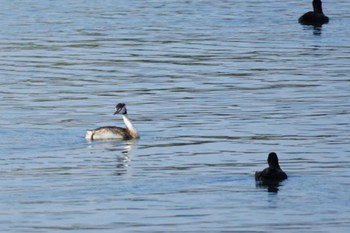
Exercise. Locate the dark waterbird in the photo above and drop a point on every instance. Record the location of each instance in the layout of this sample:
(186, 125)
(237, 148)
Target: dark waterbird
(315, 17)
(273, 173)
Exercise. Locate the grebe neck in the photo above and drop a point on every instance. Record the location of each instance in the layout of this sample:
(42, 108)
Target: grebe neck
(130, 127)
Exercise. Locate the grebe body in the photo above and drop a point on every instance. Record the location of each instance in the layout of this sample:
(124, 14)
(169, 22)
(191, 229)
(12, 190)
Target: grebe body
(114, 132)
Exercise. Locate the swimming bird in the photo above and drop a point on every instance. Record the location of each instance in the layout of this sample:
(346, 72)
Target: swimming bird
(114, 132)
(315, 17)
(273, 172)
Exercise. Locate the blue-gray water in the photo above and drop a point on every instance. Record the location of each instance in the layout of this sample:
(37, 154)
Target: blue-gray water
(212, 86)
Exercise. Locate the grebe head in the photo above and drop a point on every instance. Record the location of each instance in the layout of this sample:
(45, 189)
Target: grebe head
(273, 160)
(120, 108)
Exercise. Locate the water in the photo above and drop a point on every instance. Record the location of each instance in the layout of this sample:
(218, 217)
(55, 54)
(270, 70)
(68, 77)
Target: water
(212, 87)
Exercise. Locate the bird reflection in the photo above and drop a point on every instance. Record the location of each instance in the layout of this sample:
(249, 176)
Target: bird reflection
(316, 29)
(123, 159)
(270, 186)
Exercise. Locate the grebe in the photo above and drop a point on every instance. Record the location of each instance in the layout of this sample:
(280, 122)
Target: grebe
(113, 132)
(273, 172)
(315, 17)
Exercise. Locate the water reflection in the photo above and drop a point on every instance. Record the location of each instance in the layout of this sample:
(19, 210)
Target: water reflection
(317, 29)
(123, 159)
(120, 148)
(270, 186)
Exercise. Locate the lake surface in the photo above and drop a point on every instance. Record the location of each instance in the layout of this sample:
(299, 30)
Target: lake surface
(212, 86)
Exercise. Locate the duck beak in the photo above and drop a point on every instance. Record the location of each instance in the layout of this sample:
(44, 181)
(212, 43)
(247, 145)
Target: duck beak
(117, 111)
